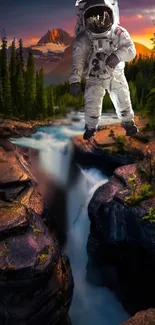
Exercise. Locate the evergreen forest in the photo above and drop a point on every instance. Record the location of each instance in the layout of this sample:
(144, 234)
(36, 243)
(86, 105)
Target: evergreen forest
(24, 95)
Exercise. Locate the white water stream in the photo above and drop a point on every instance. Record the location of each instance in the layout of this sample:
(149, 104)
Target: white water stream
(91, 305)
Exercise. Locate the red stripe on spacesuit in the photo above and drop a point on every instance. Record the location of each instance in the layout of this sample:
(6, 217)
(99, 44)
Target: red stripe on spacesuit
(118, 31)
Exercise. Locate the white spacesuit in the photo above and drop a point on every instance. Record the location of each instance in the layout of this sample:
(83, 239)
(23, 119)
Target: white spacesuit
(100, 50)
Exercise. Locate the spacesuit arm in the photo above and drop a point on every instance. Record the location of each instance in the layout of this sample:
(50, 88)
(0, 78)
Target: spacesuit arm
(126, 49)
(80, 53)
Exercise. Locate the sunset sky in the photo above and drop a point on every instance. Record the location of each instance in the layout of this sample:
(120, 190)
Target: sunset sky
(31, 19)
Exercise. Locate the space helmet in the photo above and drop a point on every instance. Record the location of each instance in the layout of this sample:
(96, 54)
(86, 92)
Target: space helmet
(98, 16)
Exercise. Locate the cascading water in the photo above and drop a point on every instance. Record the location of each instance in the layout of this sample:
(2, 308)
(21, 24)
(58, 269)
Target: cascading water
(91, 305)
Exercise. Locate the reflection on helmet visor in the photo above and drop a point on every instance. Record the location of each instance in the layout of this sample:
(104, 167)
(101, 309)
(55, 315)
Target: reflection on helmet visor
(98, 19)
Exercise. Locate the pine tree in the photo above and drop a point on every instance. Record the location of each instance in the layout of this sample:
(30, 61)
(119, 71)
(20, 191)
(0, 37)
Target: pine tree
(4, 61)
(21, 57)
(1, 99)
(150, 107)
(133, 94)
(7, 94)
(107, 104)
(20, 80)
(139, 83)
(13, 74)
(37, 104)
(20, 91)
(153, 39)
(81, 101)
(42, 104)
(30, 89)
(50, 101)
(0, 61)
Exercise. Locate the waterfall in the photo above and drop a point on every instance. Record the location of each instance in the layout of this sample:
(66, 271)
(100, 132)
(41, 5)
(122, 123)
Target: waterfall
(91, 305)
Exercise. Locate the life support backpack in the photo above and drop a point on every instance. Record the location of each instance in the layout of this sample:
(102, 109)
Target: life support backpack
(80, 4)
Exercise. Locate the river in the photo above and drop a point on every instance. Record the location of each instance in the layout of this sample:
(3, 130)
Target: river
(91, 305)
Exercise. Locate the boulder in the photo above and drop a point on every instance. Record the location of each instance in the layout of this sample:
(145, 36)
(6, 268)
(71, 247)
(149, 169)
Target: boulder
(142, 318)
(121, 243)
(15, 128)
(104, 156)
(36, 284)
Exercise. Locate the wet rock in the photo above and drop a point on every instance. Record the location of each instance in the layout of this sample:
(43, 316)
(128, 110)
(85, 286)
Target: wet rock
(15, 128)
(121, 244)
(12, 217)
(10, 169)
(19, 128)
(36, 284)
(103, 157)
(142, 318)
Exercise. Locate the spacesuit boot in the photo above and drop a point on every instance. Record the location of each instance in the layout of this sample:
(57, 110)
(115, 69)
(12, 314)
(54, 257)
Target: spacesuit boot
(89, 133)
(130, 128)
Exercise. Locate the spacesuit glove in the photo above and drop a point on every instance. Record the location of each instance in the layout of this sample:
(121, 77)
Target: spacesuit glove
(75, 89)
(112, 60)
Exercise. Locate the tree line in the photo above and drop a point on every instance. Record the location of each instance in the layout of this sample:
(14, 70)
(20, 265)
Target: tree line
(22, 89)
(23, 92)
(141, 77)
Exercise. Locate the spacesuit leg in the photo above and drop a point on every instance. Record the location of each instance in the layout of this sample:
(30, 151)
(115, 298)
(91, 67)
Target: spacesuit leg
(94, 93)
(120, 95)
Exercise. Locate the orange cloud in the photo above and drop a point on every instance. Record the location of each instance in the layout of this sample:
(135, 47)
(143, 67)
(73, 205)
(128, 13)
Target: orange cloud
(127, 19)
(140, 16)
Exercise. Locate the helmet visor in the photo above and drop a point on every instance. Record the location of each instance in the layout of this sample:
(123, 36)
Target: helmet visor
(98, 19)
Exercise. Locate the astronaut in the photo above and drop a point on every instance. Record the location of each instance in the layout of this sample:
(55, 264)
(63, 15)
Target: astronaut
(100, 49)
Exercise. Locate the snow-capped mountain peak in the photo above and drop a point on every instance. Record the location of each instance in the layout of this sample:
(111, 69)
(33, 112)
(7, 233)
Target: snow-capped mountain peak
(56, 36)
(56, 40)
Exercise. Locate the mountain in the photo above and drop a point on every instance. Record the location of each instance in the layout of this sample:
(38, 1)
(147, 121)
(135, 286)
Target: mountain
(56, 36)
(53, 53)
(142, 49)
(26, 50)
(48, 61)
(55, 40)
(62, 71)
